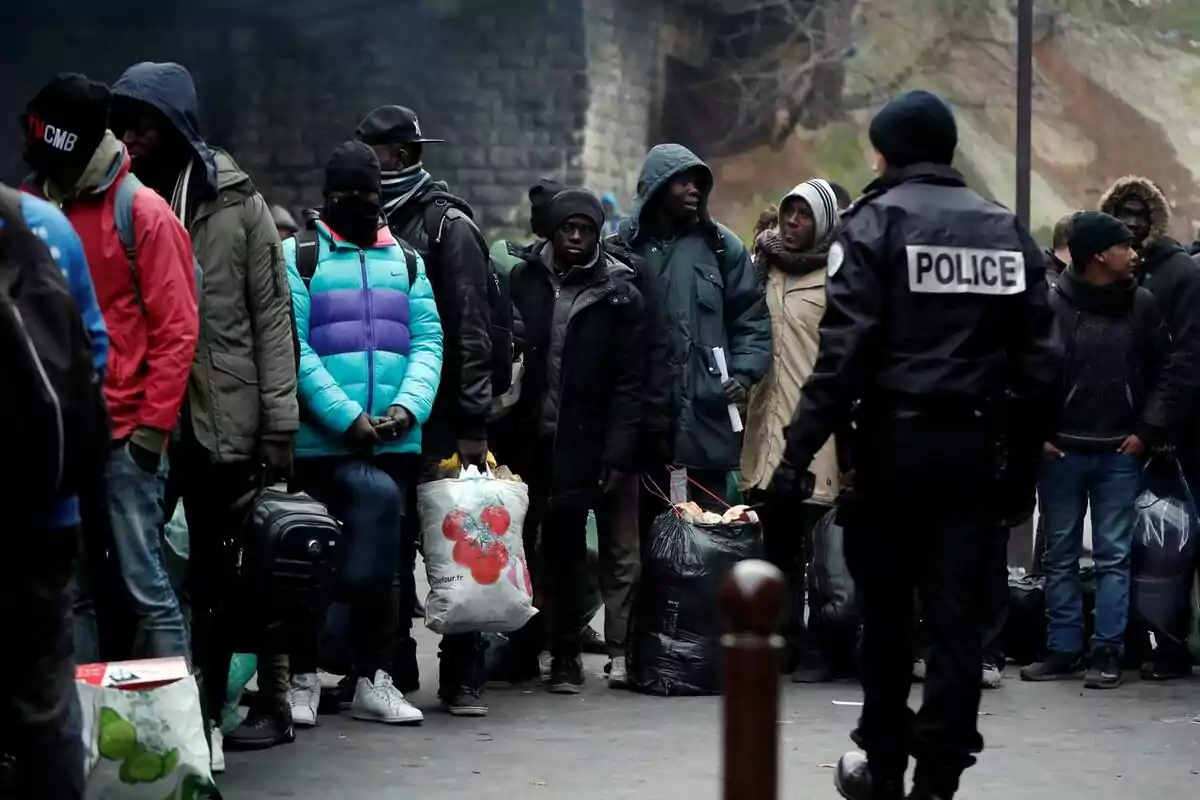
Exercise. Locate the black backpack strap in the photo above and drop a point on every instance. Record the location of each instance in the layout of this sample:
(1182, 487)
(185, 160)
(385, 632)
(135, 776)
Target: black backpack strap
(410, 261)
(308, 251)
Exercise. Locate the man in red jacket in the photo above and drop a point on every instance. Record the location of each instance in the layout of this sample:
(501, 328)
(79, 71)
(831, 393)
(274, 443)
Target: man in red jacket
(148, 298)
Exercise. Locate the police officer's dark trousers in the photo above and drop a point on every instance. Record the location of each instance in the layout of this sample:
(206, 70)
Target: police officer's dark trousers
(915, 527)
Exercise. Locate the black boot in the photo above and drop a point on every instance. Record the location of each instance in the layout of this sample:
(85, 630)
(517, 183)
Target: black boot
(854, 781)
(262, 729)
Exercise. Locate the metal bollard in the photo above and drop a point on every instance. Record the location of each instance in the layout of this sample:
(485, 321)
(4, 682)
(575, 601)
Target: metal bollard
(752, 599)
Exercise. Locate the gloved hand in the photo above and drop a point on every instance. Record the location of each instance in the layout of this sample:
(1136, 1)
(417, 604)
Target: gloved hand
(610, 478)
(362, 434)
(791, 483)
(275, 455)
(734, 391)
(472, 451)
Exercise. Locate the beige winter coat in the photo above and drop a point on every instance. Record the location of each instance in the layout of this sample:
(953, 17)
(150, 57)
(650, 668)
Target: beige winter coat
(797, 303)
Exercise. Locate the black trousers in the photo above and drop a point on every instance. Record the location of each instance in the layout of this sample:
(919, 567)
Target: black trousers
(917, 529)
(40, 722)
(787, 543)
(209, 492)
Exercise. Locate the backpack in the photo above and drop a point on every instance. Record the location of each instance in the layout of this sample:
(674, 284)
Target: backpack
(308, 254)
(51, 407)
(504, 351)
(123, 217)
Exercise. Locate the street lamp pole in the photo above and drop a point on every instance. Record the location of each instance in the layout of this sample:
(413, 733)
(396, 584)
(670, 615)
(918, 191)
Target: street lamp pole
(1024, 107)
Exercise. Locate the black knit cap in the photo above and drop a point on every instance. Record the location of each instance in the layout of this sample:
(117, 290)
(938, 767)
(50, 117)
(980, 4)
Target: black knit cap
(1093, 232)
(540, 196)
(915, 128)
(353, 167)
(575, 203)
(64, 124)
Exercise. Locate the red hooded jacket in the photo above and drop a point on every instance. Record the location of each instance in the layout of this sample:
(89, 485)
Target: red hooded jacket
(150, 356)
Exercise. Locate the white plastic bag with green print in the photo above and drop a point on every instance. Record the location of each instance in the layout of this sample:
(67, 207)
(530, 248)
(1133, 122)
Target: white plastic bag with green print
(145, 745)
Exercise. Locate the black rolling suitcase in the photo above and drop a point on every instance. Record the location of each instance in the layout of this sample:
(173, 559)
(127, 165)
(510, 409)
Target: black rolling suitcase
(286, 566)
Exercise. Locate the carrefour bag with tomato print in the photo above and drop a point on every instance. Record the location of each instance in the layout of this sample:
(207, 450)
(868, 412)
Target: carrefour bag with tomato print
(474, 555)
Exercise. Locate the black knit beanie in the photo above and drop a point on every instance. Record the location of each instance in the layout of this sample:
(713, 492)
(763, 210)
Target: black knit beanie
(575, 203)
(540, 196)
(1093, 232)
(915, 128)
(353, 167)
(64, 124)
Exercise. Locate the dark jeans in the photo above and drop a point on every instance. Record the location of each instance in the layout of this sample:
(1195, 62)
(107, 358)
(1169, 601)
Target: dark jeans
(209, 492)
(460, 655)
(368, 497)
(995, 598)
(40, 722)
(915, 530)
(787, 543)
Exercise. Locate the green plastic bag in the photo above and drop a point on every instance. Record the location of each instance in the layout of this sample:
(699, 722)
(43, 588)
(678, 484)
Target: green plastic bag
(241, 670)
(175, 554)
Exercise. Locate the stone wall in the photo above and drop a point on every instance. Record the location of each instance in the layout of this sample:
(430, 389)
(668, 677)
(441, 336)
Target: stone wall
(520, 89)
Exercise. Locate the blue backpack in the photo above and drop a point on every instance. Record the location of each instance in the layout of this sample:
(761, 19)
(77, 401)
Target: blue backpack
(123, 216)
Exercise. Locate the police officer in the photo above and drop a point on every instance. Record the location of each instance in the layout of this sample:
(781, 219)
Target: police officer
(936, 331)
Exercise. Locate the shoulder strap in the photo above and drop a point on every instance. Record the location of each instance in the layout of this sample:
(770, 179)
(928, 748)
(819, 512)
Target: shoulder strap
(410, 261)
(308, 250)
(123, 218)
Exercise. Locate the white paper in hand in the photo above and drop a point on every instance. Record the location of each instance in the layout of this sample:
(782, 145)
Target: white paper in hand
(735, 419)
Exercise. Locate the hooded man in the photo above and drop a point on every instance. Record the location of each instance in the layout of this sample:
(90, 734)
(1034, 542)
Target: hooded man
(581, 404)
(935, 315)
(147, 295)
(792, 255)
(1174, 279)
(285, 223)
(240, 413)
(439, 226)
(712, 298)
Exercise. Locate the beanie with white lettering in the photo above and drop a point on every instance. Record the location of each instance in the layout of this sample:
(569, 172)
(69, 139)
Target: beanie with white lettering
(820, 197)
(64, 124)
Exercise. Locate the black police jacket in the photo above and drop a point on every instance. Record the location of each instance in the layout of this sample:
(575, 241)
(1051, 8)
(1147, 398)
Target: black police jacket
(935, 295)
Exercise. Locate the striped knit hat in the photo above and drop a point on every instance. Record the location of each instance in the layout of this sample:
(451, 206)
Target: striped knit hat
(820, 197)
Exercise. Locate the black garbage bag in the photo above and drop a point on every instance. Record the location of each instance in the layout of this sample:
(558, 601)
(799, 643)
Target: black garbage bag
(832, 604)
(1164, 548)
(675, 629)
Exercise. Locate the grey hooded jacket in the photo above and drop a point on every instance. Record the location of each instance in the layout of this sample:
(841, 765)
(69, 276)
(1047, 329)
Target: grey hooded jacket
(713, 298)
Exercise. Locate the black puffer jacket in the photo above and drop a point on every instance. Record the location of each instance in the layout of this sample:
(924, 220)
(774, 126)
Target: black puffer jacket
(456, 261)
(1174, 280)
(1114, 378)
(600, 380)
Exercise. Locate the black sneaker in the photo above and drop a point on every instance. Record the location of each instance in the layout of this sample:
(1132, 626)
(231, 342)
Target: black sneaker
(1105, 671)
(262, 729)
(339, 698)
(1166, 669)
(813, 668)
(465, 701)
(590, 641)
(853, 780)
(566, 676)
(1055, 667)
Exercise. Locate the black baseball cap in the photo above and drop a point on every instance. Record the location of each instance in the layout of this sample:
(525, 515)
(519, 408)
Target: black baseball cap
(392, 125)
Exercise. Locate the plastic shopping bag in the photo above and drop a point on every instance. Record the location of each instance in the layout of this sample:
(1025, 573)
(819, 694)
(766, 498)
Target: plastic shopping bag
(675, 630)
(474, 555)
(1164, 546)
(143, 733)
(832, 601)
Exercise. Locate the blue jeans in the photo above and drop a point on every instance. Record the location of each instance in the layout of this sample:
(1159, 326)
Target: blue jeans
(135, 505)
(1110, 482)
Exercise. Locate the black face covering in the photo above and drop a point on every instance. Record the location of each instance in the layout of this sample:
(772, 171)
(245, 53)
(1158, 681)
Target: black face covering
(354, 218)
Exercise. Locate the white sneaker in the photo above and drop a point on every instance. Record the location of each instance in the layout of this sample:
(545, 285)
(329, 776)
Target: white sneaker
(993, 676)
(304, 696)
(217, 754)
(618, 676)
(381, 701)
